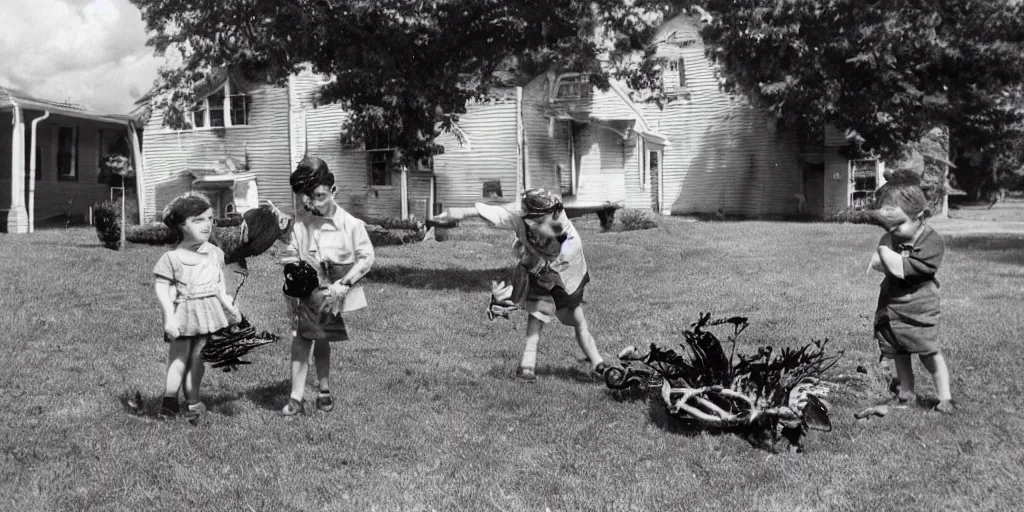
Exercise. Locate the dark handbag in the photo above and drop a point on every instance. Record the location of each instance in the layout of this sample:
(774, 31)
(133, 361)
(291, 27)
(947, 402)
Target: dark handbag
(300, 279)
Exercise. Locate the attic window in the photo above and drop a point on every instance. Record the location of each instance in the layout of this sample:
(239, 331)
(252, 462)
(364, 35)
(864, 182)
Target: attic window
(572, 87)
(221, 108)
(678, 66)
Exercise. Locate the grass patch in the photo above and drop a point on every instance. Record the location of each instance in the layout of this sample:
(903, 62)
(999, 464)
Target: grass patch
(429, 417)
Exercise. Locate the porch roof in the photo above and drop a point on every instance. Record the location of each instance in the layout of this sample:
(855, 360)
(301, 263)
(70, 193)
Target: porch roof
(9, 98)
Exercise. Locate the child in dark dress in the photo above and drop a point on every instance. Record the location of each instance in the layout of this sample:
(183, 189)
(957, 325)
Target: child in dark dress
(908, 313)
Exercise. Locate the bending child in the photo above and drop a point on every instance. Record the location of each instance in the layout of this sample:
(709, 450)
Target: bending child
(338, 252)
(190, 286)
(550, 253)
(908, 313)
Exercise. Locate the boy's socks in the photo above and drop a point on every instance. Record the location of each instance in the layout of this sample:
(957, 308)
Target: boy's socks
(324, 402)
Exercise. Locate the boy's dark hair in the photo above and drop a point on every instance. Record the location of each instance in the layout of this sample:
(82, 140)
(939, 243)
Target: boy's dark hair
(311, 173)
(904, 190)
(181, 208)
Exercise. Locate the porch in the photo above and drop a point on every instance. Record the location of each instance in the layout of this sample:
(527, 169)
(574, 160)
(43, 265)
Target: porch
(50, 158)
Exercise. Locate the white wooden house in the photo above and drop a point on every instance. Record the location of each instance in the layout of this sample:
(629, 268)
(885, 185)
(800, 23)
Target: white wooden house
(707, 152)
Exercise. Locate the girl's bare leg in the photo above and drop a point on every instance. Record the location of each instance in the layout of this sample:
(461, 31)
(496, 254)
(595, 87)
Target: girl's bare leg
(936, 365)
(533, 329)
(578, 321)
(300, 365)
(322, 359)
(195, 371)
(177, 361)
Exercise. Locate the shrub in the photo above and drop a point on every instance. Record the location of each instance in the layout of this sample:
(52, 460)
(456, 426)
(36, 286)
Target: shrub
(394, 223)
(107, 216)
(153, 234)
(637, 219)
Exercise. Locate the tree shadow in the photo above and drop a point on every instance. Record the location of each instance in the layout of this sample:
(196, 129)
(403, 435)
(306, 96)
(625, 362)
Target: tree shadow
(994, 248)
(468, 280)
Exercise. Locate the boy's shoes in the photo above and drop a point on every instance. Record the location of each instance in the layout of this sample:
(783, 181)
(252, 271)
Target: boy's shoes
(294, 407)
(324, 402)
(906, 398)
(168, 408)
(601, 368)
(945, 407)
(195, 411)
(526, 374)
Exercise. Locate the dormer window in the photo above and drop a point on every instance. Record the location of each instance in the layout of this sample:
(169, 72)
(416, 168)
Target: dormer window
(221, 108)
(572, 87)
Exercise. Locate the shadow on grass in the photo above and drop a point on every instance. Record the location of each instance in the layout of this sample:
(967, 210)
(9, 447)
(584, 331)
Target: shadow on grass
(271, 396)
(468, 280)
(995, 248)
(505, 371)
(134, 403)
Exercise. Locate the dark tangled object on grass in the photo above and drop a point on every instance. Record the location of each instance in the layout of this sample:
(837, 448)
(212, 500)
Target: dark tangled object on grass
(762, 397)
(226, 346)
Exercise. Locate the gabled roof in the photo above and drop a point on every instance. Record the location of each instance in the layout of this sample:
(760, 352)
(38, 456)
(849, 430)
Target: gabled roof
(9, 98)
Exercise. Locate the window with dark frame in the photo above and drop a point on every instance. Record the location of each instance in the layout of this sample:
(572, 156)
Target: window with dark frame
(216, 107)
(67, 153)
(572, 87)
(240, 104)
(380, 157)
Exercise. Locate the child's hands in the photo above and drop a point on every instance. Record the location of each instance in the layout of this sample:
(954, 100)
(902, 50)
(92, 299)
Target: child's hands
(234, 315)
(171, 328)
(337, 290)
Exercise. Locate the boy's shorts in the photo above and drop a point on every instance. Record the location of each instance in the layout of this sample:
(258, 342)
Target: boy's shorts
(312, 324)
(543, 303)
(900, 338)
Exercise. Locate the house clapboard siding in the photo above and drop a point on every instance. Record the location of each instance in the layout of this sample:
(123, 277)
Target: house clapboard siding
(546, 144)
(263, 143)
(725, 154)
(490, 153)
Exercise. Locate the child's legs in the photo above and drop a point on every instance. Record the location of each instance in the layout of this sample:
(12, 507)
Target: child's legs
(575, 318)
(177, 361)
(322, 359)
(534, 326)
(300, 365)
(196, 369)
(936, 365)
(904, 371)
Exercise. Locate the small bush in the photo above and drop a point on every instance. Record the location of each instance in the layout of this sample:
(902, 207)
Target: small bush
(394, 223)
(153, 234)
(637, 219)
(107, 216)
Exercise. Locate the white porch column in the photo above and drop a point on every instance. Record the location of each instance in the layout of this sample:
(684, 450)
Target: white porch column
(17, 217)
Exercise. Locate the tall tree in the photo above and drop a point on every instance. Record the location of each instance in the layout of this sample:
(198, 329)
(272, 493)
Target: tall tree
(888, 71)
(403, 67)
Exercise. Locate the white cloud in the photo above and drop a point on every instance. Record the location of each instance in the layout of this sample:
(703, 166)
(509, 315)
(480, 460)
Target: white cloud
(91, 52)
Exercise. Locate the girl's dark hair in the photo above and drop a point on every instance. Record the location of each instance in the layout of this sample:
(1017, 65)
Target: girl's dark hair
(903, 189)
(181, 208)
(311, 173)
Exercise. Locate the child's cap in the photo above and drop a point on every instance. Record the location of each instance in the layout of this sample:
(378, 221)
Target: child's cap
(184, 206)
(539, 202)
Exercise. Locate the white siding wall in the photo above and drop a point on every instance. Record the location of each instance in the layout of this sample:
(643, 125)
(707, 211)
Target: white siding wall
(169, 154)
(724, 153)
(491, 153)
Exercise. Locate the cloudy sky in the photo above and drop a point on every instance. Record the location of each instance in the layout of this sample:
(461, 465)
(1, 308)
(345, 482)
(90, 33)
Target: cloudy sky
(91, 52)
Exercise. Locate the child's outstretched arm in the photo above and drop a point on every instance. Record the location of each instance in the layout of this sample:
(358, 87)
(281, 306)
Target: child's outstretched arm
(496, 215)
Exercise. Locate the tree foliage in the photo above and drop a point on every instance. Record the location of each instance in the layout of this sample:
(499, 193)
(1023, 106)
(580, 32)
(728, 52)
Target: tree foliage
(402, 67)
(887, 71)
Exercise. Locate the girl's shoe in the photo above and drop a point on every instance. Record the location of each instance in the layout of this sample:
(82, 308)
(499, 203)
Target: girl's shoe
(294, 407)
(324, 402)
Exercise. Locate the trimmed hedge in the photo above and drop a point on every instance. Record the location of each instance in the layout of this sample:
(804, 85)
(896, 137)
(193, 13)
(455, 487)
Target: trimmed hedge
(633, 220)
